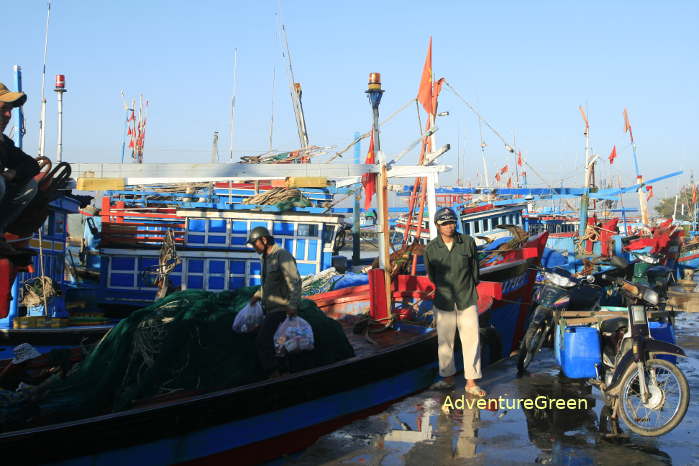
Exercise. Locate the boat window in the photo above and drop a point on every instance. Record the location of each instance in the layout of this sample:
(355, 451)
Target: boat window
(306, 229)
(494, 222)
(467, 228)
(328, 233)
(477, 226)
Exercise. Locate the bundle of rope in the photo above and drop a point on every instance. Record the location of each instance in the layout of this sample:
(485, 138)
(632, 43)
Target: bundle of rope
(37, 290)
(591, 234)
(291, 197)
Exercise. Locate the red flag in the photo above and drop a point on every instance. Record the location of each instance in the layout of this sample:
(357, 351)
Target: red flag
(497, 176)
(694, 194)
(649, 188)
(519, 159)
(627, 125)
(582, 112)
(436, 89)
(369, 179)
(509, 182)
(424, 93)
(503, 170)
(612, 155)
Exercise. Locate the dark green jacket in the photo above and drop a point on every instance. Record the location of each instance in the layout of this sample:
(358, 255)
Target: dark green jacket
(281, 283)
(454, 273)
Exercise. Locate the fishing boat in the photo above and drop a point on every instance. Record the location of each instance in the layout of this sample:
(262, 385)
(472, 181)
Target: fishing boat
(263, 420)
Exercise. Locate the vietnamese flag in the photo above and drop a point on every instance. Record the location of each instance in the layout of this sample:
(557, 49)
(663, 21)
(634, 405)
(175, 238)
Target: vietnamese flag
(519, 158)
(497, 176)
(694, 194)
(612, 155)
(424, 93)
(504, 169)
(369, 179)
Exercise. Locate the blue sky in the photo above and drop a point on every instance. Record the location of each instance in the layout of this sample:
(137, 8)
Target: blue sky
(527, 66)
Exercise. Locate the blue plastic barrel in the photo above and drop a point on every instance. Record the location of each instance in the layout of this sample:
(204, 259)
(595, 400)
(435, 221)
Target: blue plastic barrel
(663, 331)
(580, 352)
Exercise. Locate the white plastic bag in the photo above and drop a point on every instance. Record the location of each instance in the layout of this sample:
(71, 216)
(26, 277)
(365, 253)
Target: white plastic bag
(249, 318)
(293, 335)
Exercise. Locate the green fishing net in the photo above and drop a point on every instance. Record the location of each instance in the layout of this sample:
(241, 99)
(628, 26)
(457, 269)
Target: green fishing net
(182, 342)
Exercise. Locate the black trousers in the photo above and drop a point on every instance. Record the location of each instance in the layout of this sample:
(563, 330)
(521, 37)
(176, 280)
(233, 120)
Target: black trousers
(265, 341)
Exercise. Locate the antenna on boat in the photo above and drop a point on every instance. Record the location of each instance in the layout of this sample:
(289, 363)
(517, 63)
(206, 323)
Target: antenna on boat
(233, 97)
(294, 88)
(42, 120)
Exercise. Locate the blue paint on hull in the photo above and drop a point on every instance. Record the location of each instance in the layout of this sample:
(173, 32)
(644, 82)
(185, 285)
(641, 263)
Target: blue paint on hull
(229, 436)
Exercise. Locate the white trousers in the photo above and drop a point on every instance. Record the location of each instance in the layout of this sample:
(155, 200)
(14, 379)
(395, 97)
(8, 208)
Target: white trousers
(466, 320)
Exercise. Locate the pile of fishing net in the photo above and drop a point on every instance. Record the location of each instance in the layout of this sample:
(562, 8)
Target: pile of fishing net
(182, 342)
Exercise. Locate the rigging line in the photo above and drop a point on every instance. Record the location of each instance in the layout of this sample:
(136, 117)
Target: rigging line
(366, 135)
(480, 118)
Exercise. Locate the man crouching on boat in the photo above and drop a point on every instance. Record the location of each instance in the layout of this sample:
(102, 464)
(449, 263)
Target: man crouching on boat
(280, 294)
(17, 170)
(452, 265)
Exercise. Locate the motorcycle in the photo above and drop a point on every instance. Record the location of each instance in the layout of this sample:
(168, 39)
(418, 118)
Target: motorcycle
(638, 380)
(560, 291)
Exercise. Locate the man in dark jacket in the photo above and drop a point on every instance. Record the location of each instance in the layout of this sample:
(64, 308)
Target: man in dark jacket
(17, 169)
(280, 293)
(452, 265)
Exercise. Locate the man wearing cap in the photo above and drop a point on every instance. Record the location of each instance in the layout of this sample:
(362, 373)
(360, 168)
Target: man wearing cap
(17, 169)
(451, 260)
(280, 293)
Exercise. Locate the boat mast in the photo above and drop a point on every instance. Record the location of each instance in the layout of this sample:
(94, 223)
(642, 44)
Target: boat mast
(485, 165)
(295, 91)
(586, 195)
(42, 120)
(642, 201)
(235, 91)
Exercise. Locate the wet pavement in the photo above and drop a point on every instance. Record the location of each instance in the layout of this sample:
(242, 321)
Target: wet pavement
(417, 431)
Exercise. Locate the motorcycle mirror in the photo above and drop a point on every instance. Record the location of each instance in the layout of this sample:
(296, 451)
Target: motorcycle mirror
(590, 279)
(619, 262)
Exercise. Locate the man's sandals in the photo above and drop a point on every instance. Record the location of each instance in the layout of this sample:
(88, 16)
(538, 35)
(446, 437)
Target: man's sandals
(475, 390)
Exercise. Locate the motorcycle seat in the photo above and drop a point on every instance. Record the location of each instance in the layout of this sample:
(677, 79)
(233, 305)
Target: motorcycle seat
(613, 324)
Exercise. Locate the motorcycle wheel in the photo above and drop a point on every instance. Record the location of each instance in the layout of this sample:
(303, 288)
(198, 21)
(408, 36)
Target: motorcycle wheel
(531, 344)
(667, 405)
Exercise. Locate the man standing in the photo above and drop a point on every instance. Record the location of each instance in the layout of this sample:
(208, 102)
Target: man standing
(17, 169)
(452, 265)
(280, 293)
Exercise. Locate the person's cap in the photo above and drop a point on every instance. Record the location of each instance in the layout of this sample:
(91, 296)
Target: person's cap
(257, 233)
(24, 352)
(17, 99)
(444, 215)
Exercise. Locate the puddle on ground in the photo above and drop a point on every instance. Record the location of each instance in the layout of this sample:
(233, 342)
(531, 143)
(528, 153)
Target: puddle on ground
(417, 431)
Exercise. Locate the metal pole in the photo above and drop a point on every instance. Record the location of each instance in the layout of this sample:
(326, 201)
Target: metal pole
(60, 89)
(356, 231)
(20, 113)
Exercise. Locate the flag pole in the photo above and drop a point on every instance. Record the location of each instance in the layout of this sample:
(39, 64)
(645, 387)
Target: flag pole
(642, 201)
